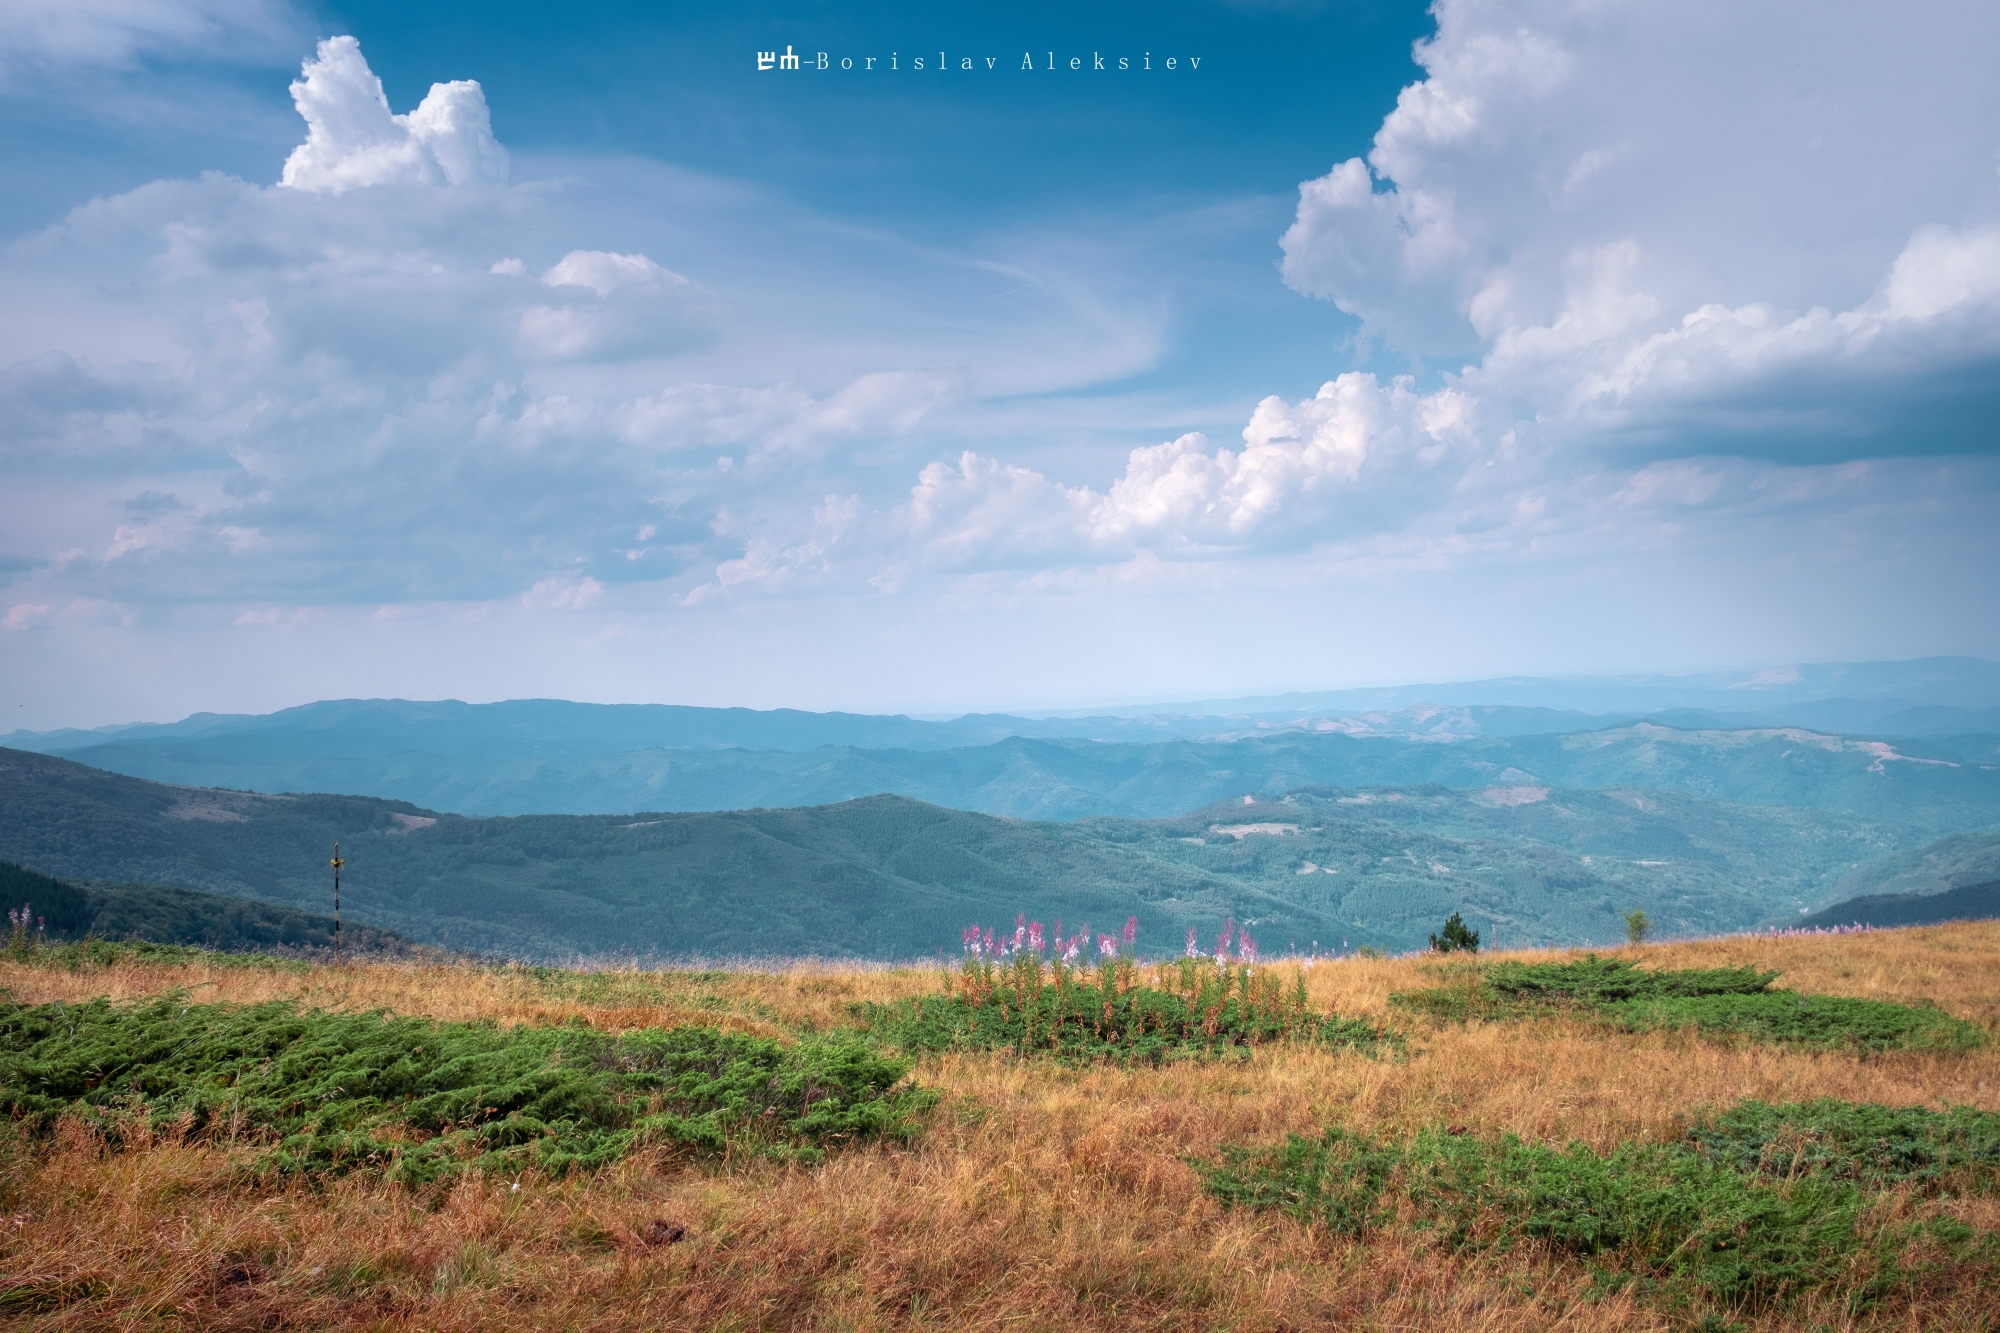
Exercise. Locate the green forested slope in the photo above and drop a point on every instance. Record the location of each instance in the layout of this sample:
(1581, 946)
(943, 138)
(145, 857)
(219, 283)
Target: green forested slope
(1968, 902)
(884, 876)
(60, 910)
(1948, 863)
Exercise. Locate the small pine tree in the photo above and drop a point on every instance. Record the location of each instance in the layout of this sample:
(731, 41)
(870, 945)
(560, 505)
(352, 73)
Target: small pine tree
(1637, 927)
(1455, 936)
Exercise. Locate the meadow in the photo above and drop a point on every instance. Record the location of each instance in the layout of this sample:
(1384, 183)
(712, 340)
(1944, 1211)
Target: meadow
(1033, 1191)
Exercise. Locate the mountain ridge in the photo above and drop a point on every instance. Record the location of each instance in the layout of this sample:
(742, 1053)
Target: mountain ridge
(1065, 778)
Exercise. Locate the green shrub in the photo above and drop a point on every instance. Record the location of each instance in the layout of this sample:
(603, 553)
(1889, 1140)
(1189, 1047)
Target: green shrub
(1789, 1019)
(1951, 1151)
(1595, 980)
(1336, 1180)
(1705, 1221)
(1200, 1010)
(419, 1098)
(1721, 1003)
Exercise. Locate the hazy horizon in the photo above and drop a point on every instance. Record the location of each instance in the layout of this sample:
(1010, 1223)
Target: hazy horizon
(1749, 687)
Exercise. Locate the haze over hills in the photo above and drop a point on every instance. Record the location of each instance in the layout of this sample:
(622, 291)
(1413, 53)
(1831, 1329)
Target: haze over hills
(1925, 696)
(1933, 696)
(886, 876)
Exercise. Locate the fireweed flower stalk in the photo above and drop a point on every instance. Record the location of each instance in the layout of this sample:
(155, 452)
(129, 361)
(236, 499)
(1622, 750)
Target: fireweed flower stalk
(21, 918)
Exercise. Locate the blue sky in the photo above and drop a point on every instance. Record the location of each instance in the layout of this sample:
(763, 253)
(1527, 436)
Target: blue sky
(1385, 343)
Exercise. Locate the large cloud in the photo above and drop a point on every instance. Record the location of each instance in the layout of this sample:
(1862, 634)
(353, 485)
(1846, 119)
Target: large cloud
(353, 140)
(1687, 227)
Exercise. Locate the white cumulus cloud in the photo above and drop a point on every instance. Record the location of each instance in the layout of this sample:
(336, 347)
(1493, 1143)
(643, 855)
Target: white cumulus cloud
(354, 141)
(1347, 460)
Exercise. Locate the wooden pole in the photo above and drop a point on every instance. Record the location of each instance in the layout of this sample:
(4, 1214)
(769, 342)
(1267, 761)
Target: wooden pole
(337, 864)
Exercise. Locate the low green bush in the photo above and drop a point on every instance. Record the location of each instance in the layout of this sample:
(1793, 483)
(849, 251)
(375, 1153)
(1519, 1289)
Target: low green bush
(1725, 1003)
(1955, 1151)
(1199, 1011)
(1707, 1221)
(418, 1098)
(1595, 980)
(1789, 1019)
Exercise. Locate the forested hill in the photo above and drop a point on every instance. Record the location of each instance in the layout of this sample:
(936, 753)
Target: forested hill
(888, 877)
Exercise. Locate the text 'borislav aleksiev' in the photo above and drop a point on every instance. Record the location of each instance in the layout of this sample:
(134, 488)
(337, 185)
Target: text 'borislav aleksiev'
(1048, 62)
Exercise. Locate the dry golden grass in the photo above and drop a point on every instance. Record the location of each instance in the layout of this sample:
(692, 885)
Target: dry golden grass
(1040, 1197)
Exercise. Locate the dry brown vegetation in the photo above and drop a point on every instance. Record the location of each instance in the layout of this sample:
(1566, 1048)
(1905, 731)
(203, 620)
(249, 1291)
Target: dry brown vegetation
(1039, 1197)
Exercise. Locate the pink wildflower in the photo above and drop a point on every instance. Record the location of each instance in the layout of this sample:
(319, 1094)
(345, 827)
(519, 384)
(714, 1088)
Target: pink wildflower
(1246, 948)
(1193, 950)
(1107, 946)
(1035, 940)
(1131, 931)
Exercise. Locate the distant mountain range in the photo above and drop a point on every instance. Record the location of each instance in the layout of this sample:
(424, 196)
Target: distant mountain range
(1733, 737)
(889, 877)
(1935, 786)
